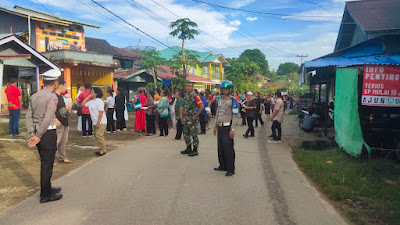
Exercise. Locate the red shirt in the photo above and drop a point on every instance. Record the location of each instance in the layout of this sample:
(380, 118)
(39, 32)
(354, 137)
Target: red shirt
(13, 94)
(82, 96)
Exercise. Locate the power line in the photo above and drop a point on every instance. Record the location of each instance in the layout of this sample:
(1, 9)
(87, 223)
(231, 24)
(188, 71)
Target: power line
(138, 29)
(115, 21)
(246, 32)
(181, 18)
(259, 12)
(319, 6)
(198, 28)
(148, 35)
(44, 7)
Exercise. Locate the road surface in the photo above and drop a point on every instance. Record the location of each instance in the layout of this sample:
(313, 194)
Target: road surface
(149, 182)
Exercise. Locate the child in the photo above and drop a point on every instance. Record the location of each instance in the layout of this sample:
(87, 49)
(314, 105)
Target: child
(110, 102)
(96, 108)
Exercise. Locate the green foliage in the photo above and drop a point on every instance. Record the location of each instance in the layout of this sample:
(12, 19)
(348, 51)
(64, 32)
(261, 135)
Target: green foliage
(182, 29)
(150, 86)
(242, 73)
(255, 55)
(287, 68)
(366, 190)
(152, 61)
(177, 66)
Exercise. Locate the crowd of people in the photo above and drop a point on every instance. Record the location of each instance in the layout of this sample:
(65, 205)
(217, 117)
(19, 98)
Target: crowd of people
(47, 119)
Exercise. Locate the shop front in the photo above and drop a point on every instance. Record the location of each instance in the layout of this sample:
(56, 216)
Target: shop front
(18, 60)
(80, 68)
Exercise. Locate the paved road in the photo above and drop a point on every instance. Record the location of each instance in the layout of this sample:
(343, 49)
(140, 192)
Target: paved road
(150, 182)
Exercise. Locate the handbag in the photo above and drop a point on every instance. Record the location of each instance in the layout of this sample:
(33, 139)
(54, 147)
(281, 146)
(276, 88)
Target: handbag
(79, 112)
(157, 113)
(138, 105)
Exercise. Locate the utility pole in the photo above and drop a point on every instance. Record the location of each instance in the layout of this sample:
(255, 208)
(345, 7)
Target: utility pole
(302, 58)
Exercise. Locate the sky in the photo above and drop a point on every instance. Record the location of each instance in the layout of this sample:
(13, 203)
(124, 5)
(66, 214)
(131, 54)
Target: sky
(297, 27)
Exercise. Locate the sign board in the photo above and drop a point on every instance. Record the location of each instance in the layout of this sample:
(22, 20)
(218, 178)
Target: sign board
(62, 41)
(381, 86)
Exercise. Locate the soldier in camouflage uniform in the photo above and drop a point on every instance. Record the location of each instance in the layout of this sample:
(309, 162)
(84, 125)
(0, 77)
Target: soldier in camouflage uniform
(192, 107)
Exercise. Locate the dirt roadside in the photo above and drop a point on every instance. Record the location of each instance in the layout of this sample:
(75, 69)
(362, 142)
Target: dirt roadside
(20, 165)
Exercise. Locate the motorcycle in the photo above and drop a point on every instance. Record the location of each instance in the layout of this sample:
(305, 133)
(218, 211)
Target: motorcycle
(314, 117)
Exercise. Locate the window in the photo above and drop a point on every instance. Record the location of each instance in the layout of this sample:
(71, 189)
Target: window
(194, 70)
(206, 70)
(217, 74)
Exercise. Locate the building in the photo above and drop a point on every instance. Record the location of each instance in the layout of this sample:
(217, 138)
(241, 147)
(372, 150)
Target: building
(19, 60)
(211, 66)
(200, 83)
(362, 78)
(126, 74)
(365, 20)
(63, 41)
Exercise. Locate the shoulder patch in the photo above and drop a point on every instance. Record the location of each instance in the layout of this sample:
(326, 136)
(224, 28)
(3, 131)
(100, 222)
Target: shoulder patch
(56, 101)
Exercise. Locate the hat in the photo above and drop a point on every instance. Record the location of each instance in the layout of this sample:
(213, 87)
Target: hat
(52, 74)
(250, 93)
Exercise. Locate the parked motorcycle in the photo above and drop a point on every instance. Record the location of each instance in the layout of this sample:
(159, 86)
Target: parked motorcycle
(314, 116)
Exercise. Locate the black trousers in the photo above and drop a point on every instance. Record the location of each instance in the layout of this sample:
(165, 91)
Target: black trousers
(47, 148)
(163, 125)
(226, 153)
(179, 130)
(276, 126)
(250, 130)
(203, 123)
(243, 115)
(120, 118)
(110, 120)
(259, 118)
(87, 130)
(151, 124)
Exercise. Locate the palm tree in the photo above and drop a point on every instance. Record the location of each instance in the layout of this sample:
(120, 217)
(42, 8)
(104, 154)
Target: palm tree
(184, 30)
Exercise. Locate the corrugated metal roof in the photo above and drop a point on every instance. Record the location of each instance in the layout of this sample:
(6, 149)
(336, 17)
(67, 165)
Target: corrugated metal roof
(191, 77)
(44, 16)
(376, 15)
(211, 58)
(345, 61)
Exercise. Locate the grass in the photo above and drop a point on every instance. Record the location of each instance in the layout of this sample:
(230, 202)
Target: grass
(367, 191)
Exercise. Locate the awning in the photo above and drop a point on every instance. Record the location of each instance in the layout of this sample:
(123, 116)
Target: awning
(346, 61)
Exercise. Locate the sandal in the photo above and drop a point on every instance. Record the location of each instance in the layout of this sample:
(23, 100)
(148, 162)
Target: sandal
(66, 161)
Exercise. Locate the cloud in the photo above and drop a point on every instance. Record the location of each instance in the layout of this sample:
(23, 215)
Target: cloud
(251, 19)
(317, 15)
(235, 23)
(240, 3)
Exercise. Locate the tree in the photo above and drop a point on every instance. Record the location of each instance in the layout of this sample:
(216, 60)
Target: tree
(183, 29)
(287, 68)
(152, 61)
(258, 57)
(177, 65)
(242, 73)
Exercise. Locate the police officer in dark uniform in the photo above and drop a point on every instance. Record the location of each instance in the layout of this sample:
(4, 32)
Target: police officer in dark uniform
(41, 124)
(223, 125)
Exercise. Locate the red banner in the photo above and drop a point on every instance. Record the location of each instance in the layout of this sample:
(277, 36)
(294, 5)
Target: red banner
(381, 86)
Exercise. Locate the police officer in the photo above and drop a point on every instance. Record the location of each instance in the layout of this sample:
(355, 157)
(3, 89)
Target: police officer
(192, 108)
(41, 125)
(223, 126)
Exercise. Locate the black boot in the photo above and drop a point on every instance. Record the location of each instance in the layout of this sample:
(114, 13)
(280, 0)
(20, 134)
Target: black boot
(194, 152)
(188, 150)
